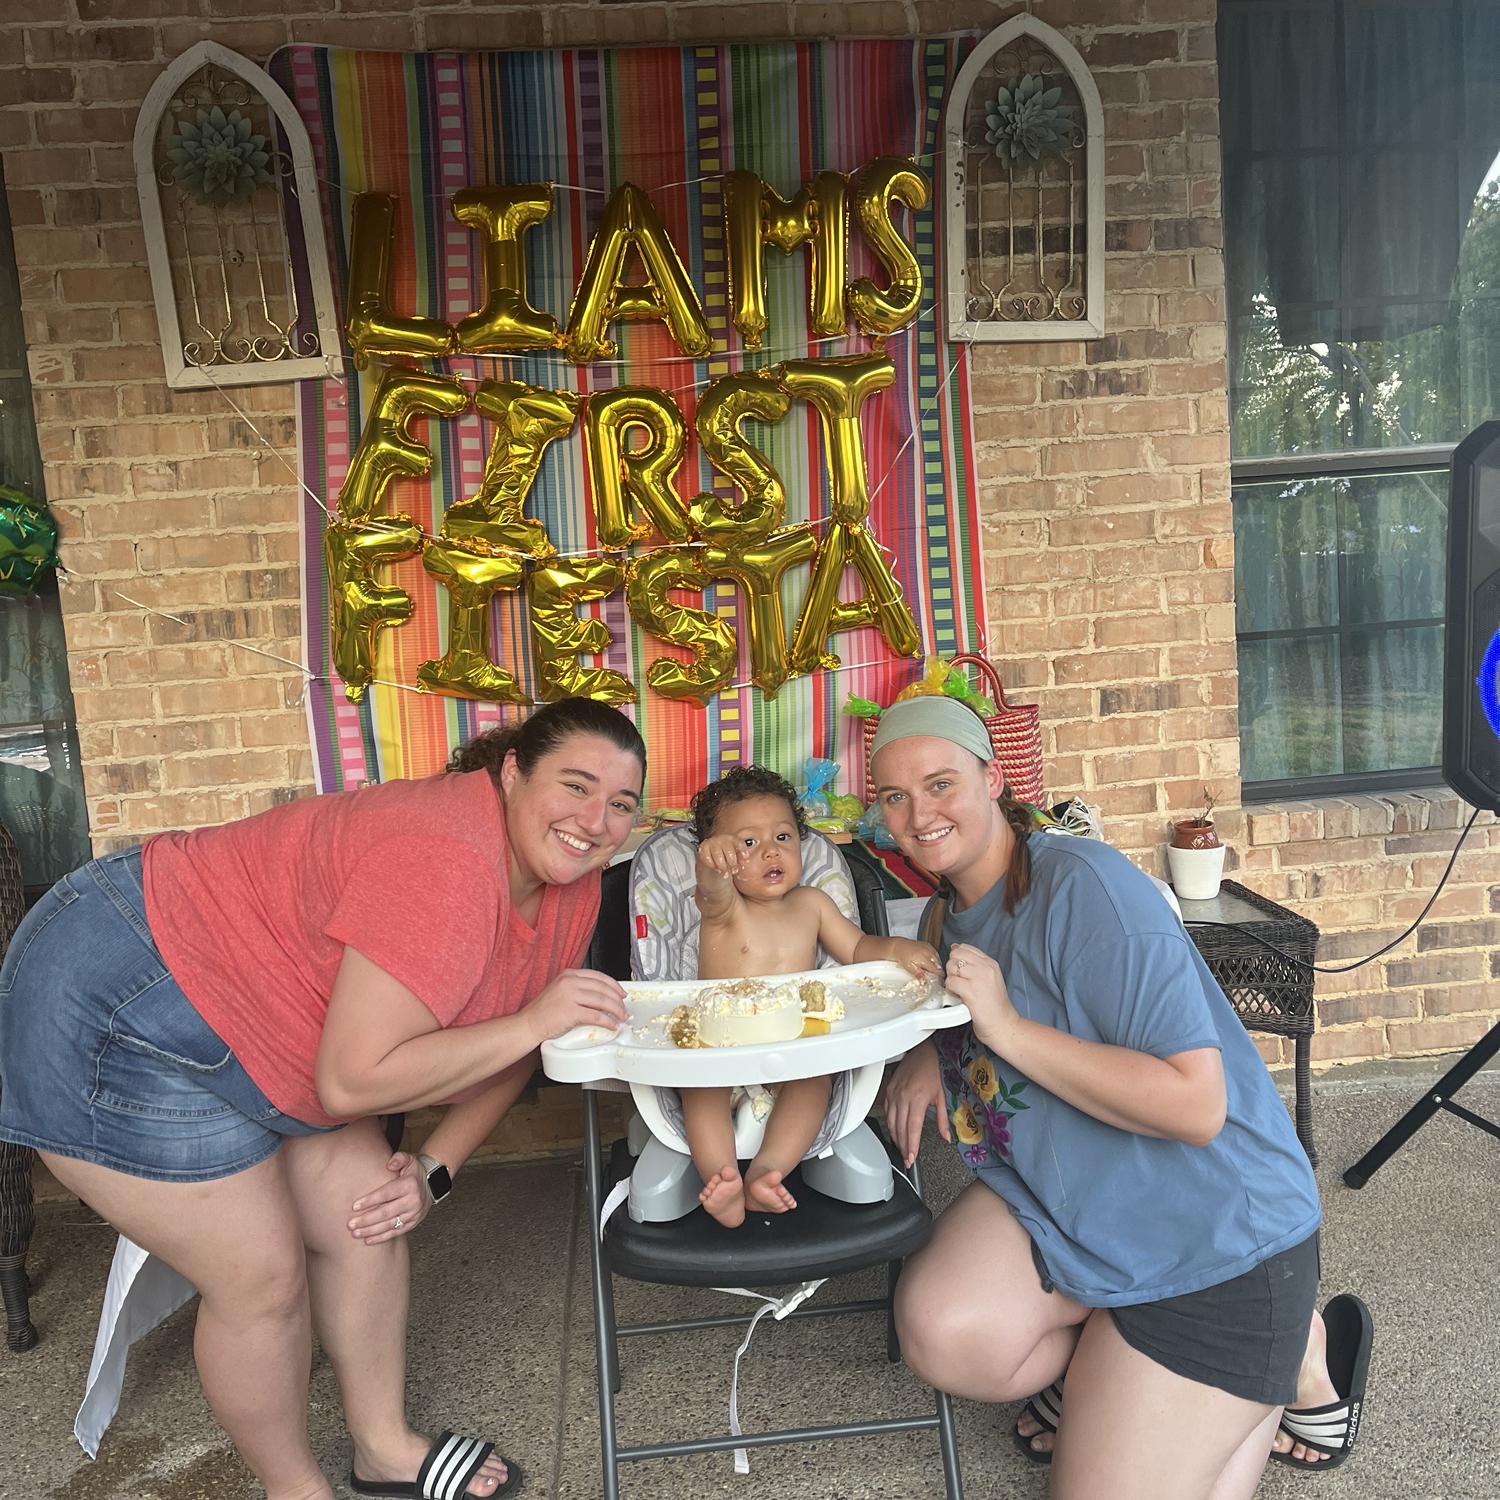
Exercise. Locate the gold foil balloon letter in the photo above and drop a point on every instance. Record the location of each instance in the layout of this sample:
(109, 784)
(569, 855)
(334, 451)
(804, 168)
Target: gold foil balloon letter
(603, 294)
(525, 420)
(465, 669)
(648, 592)
(725, 404)
(758, 570)
(621, 475)
(887, 178)
(559, 637)
(507, 323)
(755, 215)
(825, 615)
(387, 450)
(837, 389)
(359, 608)
(373, 331)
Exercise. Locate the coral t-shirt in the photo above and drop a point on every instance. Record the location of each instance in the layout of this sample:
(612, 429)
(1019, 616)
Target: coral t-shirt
(252, 918)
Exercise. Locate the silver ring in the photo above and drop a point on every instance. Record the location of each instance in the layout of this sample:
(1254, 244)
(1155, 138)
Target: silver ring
(398, 1221)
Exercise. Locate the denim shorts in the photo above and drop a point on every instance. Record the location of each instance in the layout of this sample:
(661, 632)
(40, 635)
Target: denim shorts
(103, 1058)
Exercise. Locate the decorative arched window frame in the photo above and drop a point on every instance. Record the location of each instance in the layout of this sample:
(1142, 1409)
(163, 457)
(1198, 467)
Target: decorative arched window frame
(962, 325)
(181, 371)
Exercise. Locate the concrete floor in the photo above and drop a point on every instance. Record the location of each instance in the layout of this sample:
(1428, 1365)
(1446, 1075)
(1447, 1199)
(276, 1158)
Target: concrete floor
(501, 1343)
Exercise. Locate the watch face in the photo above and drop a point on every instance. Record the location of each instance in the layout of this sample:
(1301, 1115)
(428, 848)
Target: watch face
(439, 1183)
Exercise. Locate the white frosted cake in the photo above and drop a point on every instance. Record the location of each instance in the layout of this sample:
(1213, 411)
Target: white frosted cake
(750, 1012)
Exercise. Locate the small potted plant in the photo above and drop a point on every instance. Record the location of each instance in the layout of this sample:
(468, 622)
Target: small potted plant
(1195, 856)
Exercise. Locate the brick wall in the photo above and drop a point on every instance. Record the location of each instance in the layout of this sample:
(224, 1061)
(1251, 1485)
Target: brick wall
(1103, 468)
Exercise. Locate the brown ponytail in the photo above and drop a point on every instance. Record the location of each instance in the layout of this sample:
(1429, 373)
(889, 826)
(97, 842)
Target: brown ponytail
(1018, 876)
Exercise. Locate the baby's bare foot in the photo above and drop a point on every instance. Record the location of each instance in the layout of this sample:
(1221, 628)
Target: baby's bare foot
(723, 1196)
(765, 1194)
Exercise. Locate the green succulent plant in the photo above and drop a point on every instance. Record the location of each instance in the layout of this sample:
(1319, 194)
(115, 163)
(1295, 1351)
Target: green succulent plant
(218, 157)
(1028, 120)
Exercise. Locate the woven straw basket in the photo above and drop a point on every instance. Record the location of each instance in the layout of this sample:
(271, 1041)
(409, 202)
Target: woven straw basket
(1015, 732)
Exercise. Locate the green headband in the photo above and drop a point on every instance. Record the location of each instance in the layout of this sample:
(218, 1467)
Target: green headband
(934, 719)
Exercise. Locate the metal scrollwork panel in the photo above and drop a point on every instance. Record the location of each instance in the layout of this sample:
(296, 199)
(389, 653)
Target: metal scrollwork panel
(217, 187)
(1025, 203)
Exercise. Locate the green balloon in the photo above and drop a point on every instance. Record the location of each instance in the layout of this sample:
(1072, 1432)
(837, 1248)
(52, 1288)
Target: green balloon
(28, 542)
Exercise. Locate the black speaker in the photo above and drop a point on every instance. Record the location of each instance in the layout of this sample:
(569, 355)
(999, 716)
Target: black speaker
(1471, 640)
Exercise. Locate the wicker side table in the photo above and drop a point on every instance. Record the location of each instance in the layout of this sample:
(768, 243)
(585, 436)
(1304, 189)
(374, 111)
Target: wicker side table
(1269, 992)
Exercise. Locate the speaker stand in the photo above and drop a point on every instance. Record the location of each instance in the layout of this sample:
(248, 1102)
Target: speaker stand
(1439, 1096)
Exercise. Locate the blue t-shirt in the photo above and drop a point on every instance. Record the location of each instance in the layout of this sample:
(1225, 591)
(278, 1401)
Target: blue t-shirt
(1118, 1218)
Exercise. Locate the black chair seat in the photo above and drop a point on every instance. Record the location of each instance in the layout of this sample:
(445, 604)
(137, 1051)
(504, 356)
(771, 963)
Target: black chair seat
(823, 1237)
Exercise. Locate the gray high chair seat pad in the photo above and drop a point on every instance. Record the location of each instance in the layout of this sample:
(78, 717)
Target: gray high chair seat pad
(664, 933)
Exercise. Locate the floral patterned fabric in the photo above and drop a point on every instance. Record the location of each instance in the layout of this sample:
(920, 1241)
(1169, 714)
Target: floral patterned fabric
(980, 1102)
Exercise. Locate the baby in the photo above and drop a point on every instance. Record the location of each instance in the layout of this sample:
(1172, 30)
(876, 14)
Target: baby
(758, 921)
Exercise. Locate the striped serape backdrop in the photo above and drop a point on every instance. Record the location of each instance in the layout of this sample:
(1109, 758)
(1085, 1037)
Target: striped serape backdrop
(672, 121)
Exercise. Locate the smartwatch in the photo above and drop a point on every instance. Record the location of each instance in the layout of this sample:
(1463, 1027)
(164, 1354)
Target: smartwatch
(439, 1179)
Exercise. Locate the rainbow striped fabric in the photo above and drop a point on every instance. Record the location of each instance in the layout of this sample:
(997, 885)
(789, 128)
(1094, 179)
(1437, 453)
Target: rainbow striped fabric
(672, 121)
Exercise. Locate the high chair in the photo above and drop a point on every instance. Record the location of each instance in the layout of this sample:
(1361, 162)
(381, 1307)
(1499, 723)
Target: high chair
(647, 930)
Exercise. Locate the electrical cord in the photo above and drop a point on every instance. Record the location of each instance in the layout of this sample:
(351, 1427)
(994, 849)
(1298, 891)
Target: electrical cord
(1395, 942)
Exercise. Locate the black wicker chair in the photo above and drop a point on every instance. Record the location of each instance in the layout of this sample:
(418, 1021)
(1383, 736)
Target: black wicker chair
(17, 1215)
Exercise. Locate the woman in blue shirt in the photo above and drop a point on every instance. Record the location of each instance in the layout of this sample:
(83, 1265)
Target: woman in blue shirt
(1144, 1217)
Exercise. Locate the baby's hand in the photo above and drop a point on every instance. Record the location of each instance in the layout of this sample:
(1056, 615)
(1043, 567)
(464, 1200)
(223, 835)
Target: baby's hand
(919, 959)
(722, 854)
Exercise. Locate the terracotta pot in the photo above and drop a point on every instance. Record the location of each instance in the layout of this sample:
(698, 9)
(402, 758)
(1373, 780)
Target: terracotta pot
(1194, 833)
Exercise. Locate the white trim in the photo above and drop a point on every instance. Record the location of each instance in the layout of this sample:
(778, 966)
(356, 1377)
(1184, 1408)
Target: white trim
(996, 331)
(180, 374)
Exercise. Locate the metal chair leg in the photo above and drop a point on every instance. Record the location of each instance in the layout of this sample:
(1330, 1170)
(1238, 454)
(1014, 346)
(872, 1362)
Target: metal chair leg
(953, 1479)
(892, 1338)
(613, 1360)
(607, 1356)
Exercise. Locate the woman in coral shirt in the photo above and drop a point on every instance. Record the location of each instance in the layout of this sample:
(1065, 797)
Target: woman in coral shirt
(197, 1036)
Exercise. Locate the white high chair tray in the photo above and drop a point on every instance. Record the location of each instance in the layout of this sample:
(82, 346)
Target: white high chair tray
(886, 1013)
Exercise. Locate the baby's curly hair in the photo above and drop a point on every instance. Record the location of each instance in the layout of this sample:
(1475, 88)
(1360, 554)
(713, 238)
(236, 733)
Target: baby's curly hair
(739, 785)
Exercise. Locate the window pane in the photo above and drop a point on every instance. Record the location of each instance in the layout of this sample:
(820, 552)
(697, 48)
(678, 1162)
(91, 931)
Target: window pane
(41, 778)
(1394, 539)
(33, 659)
(1392, 699)
(1478, 352)
(1402, 391)
(1362, 237)
(41, 801)
(1285, 556)
(1282, 399)
(1286, 728)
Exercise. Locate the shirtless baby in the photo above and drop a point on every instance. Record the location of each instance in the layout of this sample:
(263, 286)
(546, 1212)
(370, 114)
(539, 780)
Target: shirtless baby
(757, 921)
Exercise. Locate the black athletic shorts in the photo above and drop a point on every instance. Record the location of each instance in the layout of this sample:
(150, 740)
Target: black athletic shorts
(1246, 1336)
